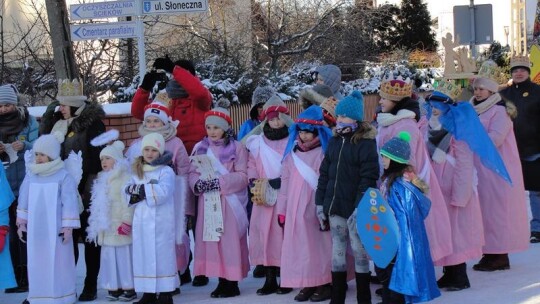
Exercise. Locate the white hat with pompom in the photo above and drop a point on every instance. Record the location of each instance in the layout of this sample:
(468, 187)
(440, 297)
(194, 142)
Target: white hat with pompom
(49, 144)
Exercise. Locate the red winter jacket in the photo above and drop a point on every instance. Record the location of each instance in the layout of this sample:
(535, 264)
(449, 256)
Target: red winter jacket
(189, 111)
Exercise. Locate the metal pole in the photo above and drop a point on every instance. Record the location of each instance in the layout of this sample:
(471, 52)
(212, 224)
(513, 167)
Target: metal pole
(140, 42)
(472, 43)
(3, 63)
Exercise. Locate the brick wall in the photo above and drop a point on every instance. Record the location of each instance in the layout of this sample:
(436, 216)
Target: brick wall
(126, 125)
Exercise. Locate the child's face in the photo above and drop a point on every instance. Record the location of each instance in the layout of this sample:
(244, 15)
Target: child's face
(435, 112)
(41, 158)
(386, 162)
(107, 163)
(306, 136)
(150, 154)
(276, 123)
(65, 110)
(345, 119)
(6, 108)
(386, 105)
(481, 93)
(214, 132)
(153, 122)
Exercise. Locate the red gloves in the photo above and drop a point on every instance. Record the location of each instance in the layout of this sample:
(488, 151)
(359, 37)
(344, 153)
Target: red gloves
(3, 236)
(124, 229)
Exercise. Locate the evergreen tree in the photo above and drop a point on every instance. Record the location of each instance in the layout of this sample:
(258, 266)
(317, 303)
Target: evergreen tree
(415, 26)
(386, 30)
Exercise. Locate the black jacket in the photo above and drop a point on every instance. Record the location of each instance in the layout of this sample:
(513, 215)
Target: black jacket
(349, 167)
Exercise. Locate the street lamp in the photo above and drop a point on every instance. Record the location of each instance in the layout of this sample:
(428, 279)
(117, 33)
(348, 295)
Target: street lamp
(506, 33)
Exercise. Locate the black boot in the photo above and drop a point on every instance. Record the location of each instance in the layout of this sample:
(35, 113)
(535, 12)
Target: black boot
(270, 284)
(492, 262)
(339, 287)
(363, 292)
(147, 298)
(388, 296)
(446, 278)
(305, 294)
(323, 293)
(165, 298)
(259, 272)
(200, 280)
(460, 279)
(88, 294)
(231, 289)
(219, 289)
(185, 277)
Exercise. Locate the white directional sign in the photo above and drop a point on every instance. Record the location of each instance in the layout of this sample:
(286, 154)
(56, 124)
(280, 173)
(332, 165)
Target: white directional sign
(110, 30)
(174, 6)
(100, 10)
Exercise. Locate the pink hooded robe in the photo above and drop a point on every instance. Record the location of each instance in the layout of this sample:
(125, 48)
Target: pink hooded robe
(437, 222)
(265, 235)
(227, 258)
(458, 181)
(504, 210)
(306, 256)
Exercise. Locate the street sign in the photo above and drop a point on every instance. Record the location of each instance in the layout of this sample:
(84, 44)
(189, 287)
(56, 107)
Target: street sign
(152, 7)
(482, 29)
(110, 30)
(99, 10)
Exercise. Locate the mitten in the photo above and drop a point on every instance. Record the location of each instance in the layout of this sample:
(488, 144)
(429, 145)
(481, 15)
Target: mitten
(67, 234)
(164, 63)
(149, 80)
(323, 219)
(3, 235)
(203, 186)
(124, 229)
(136, 193)
(275, 183)
(281, 220)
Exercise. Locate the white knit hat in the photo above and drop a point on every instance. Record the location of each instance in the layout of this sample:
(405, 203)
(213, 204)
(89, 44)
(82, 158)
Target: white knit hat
(219, 115)
(8, 94)
(154, 140)
(159, 110)
(49, 145)
(114, 150)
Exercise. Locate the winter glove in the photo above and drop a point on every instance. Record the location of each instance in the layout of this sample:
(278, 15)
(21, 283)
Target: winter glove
(281, 220)
(149, 80)
(203, 186)
(323, 219)
(164, 63)
(136, 192)
(21, 229)
(3, 235)
(124, 229)
(67, 234)
(275, 183)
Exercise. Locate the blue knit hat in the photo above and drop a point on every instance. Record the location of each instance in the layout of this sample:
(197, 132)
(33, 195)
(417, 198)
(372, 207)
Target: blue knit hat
(398, 148)
(311, 119)
(351, 106)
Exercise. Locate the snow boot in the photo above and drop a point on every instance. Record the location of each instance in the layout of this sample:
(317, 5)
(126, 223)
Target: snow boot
(339, 287)
(147, 298)
(231, 289)
(363, 292)
(219, 289)
(460, 280)
(447, 277)
(259, 272)
(270, 284)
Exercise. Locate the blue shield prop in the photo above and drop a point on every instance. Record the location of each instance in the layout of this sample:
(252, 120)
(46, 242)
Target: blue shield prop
(377, 228)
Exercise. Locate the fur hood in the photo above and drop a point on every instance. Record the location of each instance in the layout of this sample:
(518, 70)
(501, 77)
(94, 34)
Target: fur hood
(163, 160)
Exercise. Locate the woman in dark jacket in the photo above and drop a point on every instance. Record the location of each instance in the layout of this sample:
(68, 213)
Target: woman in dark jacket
(349, 167)
(80, 121)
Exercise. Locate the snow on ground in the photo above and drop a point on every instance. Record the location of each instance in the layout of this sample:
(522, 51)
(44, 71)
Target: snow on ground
(110, 109)
(520, 284)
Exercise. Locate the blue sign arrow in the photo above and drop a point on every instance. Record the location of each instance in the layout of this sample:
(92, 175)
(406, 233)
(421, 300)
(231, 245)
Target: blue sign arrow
(76, 12)
(76, 32)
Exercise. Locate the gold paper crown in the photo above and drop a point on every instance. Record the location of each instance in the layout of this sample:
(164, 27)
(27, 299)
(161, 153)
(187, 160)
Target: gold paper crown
(450, 89)
(70, 92)
(520, 61)
(397, 90)
(490, 70)
(330, 105)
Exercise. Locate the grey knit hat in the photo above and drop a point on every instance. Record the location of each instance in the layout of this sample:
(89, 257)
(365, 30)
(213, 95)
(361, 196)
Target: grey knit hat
(219, 115)
(261, 95)
(8, 94)
(331, 76)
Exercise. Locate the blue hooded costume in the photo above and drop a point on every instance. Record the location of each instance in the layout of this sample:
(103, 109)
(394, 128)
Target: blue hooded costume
(7, 277)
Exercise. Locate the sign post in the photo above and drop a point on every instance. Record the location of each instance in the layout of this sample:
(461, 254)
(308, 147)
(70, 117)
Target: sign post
(473, 24)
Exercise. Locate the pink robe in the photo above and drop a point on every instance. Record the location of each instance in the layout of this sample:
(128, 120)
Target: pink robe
(459, 186)
(265, 235)
(437, 222)
(227, 258)
(306, 256)
(504, 210)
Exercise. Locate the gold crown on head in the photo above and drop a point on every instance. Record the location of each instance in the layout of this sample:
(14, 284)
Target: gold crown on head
(70, 92)
(396, 89)
(520, 61)
(450, 89)
(490, 70)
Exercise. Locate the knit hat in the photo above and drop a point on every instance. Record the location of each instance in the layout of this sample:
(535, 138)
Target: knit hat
(273, 107)
(70, 93)
(8, 94)
(331, 76)
(154, 140)
(396, 90)
(114, 150)
(49, 145)
(311, 119)
(351, 106)
(489, 77)
(219, 115)
(398, 148)
(261, 95)
(520, 62)
(157, 109)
